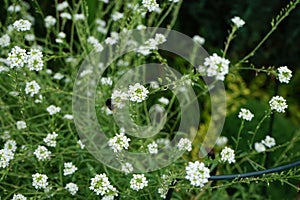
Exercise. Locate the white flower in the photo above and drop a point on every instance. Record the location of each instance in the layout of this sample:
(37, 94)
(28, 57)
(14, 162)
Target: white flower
(238, 22)
(32, 88)
(30, 37)
(79, 17)
(22, 25)
(118, 98)
(72, 188)
(80, 144)
(152, 148)
(137, 93)
(5, 40)
(101, 185)
(116, 16)
(65, 15)
(184, 144)
(3, 69)
(141, 27)
(163, 100)
(284, 74)
(138, 182)
(215, 66)
(93, 41)
(174, 1)
(245, 114)
(269, 142)
(106, 81)
(227, 154)
(69, 168)
(221, 141)
(50, 139)
(197, 173)
(19, 197)
(127, 168)
(154, 84)
(163, 142)
(150, 5)
(68, 116)
(119, 142)
(42, 153)
(5, 156)
(61, 35)
(49, 21)
(58, 76)
(61, 6)
(39, 181)
(21, 125)
(17, 57)
(278, 104)
(160, 38)
(53, 109)
(259, 147)
(14, 8)
(10, 145)
(198, 39)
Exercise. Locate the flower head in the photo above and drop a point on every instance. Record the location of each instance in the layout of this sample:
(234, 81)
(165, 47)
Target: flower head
(278, 103)
(119, 142)
(138, 182)
(101, 185)
(50, 139)
(184, 144)
(22, 25)
(72, 188)
(284, 74)
(150, 5)
(227, 154)
(69, 168)
(259, 147)
(32, 88)
(42, 153)
(21, 125)
(268, 142)
(39, 181)
(152, 148)
(53, 109)
(19, 197)
(17, 57)
(137, 93)
(238, 22)
(245, 114)
(197, 173)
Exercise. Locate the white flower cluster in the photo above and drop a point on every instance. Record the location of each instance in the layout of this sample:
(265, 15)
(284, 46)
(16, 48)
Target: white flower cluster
(42, 153)
(101, 26)
(61, 6)
(119, 142)
(7, 153)
(101, 185)
(39, 181)
(18, 58)
(32, 88)
(49, 21)
(95, 43)
(221, 141)
(113, 39)
(284, 74)
(152, 148)
(34, 61)
(151, 44)
(227, 154)
(50, 139)
(138, 182)
(215, 66)
(106, 81)
(21, 125)
(164, 187)
(267, 142)
(118, 98)
(184, 144)
(69, 168)
(127, 168)
(5, 40)
(197, 173)
(150, 5)
(22, 25)
(278, 103)
(245, 114)
(72, 188)
(238, 22)
(117, 16)
(137, 93)
(198, 39)
(82, 146)
(163, 100)
(53, 109)
(19, 197)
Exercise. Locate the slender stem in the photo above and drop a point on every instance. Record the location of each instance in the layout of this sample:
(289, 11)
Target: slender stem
(268, 113)
(239, 134)
(229, 39)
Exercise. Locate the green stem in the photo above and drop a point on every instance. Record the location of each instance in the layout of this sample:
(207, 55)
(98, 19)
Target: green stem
(239, 134)
(229, 39)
